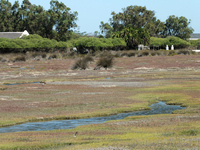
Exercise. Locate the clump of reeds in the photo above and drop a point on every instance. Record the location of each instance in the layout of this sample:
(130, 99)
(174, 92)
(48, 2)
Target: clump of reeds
(20, 58)
(105, 61)
(82, 63)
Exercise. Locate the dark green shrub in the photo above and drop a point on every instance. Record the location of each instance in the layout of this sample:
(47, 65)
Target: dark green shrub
(105, 61)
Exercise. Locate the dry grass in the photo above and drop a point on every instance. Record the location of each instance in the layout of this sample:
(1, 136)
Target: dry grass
(175, 80)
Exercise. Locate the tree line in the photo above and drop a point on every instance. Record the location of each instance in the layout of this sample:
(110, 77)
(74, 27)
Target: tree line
(135, 24)
(54, 23)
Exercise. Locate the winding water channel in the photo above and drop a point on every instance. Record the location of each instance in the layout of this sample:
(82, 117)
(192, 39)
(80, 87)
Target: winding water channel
(157, 108)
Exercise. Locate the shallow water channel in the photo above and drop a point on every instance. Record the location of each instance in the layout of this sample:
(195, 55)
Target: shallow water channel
(157, 108)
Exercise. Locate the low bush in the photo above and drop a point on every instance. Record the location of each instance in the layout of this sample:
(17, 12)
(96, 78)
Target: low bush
(132, 54)
(53, 56)
(20, 58)
(153, 53)
(145, 53)
(105, 61)
(172, 40)
(117, 54)
(195, 43)
(88, 58)
(124, 54)
(32, 43)
(82, 63)
(172, 53)
(184, 52)
(44, 55)
(96, 44)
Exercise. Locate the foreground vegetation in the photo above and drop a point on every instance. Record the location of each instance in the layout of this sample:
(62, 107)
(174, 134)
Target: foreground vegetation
(175, 82)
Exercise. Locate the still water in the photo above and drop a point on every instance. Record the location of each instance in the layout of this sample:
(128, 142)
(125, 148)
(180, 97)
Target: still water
(157, 108)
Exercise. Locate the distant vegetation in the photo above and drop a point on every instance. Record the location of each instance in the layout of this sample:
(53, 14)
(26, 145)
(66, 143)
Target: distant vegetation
(99, 43)
(92, 44)
(162, 42)
(54, 23)
(37, 43)
(195, 43)
(31, 43)
(54, 29)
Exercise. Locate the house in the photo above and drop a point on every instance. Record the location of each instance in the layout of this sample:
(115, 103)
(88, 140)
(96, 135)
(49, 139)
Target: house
(13, 35)
(194, 36)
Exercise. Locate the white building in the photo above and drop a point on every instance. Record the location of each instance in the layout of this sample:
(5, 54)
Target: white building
(13, 35)
(194, 36)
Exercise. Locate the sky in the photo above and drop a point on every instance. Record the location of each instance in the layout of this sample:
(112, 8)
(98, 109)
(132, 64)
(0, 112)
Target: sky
(92, 12)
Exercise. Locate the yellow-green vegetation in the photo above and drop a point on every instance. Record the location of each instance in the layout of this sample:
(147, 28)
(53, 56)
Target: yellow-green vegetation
(35, 102)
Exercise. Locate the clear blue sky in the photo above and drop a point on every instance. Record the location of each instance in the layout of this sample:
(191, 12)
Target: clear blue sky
(92, 12)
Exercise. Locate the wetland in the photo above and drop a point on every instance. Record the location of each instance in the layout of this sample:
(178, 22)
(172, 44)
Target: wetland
(157, 108)
(132, 85)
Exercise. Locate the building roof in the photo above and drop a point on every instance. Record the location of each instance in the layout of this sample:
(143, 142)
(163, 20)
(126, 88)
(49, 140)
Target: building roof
(195, 35)
(13, 35)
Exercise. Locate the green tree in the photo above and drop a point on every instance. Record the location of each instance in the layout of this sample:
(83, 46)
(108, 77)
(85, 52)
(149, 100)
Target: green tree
(55, 23)
(133, 37)
(5, 16)
(135, 17)
(62, 19)
(177, 26)
(106, 29)
(16, 21)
